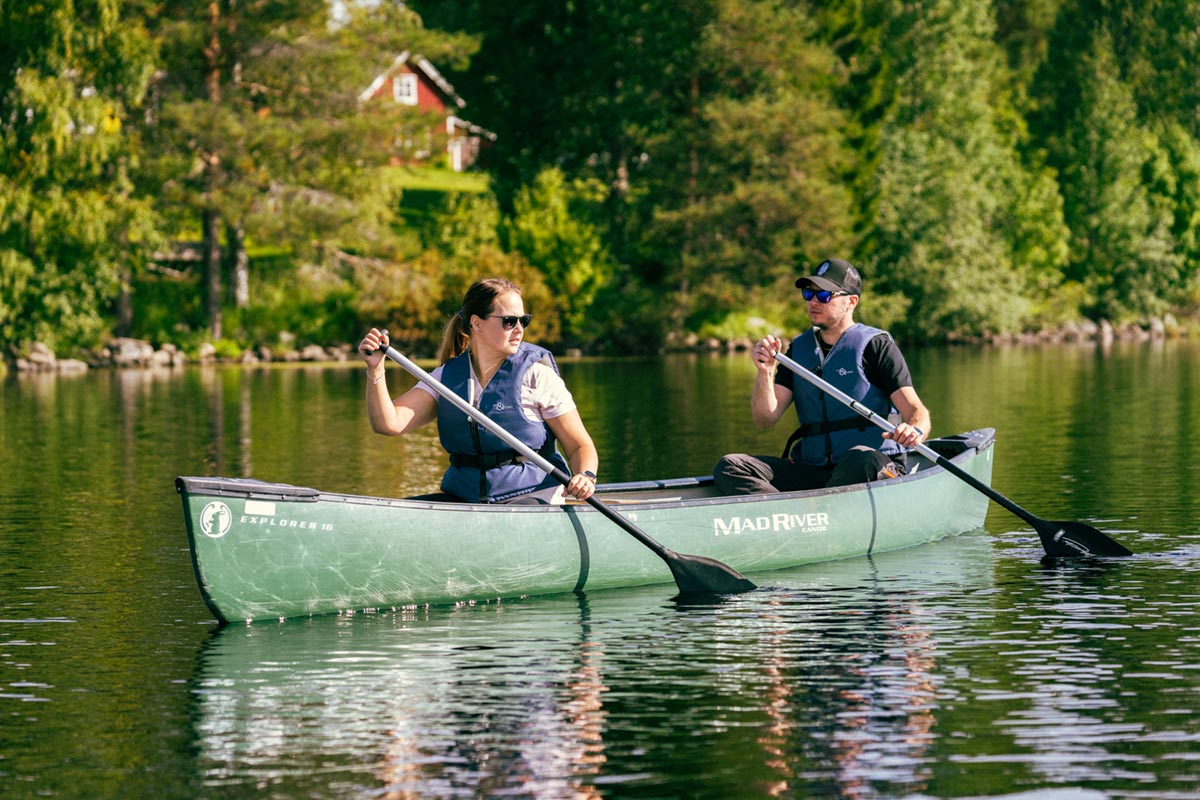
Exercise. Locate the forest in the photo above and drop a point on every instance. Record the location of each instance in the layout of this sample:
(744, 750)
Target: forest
(661, 170)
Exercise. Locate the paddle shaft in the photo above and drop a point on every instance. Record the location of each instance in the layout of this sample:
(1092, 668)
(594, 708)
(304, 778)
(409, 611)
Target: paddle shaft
(1059, 539)
(523, 449)
(920, 447)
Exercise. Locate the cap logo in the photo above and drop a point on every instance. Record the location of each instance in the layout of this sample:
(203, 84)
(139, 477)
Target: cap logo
(821, 270)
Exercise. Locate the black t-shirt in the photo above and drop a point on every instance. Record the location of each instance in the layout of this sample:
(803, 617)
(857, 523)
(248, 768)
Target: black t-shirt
(883, 364)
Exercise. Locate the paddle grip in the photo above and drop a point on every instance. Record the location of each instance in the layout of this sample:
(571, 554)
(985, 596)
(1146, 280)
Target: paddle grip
(373, 352)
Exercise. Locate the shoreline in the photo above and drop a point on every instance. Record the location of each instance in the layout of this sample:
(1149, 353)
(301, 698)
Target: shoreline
(128, 353)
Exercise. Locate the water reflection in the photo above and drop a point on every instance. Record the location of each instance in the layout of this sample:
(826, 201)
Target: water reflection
(1095, 689)
(417, 704)
(863, 678)
(961, 669)
(825, 684)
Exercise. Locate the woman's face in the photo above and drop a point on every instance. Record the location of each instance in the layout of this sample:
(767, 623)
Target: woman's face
(489, 333)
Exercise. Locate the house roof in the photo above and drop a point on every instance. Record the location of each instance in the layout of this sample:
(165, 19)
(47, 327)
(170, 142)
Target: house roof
(418, 63)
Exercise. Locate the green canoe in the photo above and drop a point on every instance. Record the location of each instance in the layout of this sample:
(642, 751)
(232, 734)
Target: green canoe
(269, 550)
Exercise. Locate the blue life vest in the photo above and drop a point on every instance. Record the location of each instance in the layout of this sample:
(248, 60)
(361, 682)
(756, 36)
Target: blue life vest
(830, 428)
(482, 467)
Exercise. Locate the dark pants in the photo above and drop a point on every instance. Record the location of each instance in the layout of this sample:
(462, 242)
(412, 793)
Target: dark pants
(739, 473)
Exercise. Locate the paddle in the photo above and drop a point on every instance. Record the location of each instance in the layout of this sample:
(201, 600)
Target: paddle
(1060, 539)
(693, 574)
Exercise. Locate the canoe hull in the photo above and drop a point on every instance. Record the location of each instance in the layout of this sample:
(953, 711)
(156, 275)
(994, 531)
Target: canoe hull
(264, 550)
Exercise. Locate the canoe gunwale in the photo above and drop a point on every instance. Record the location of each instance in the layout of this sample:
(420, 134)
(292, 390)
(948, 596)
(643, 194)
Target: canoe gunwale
(956, 448)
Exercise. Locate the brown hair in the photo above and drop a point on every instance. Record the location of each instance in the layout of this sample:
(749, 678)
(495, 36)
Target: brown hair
(479, 302)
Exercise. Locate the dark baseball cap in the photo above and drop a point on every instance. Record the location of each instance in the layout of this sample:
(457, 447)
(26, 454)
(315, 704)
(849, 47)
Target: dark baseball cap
(834, 275)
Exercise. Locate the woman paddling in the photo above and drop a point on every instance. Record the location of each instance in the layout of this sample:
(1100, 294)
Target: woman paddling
(485, 360)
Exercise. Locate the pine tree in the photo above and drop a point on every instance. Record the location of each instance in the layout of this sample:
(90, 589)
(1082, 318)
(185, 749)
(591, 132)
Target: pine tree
(960, 227)
(1123, 250)
(1149, 50)
(748, 187)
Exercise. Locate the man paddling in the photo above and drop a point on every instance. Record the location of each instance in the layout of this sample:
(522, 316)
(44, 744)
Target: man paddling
(834, 446)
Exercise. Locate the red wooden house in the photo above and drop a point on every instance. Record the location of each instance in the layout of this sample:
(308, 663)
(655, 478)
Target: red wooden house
(412, 81)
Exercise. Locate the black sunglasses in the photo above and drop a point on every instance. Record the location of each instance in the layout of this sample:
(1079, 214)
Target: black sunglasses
(509, 322)
(822, 295)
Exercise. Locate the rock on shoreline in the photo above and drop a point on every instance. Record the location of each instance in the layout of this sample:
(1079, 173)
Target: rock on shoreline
(127, 353)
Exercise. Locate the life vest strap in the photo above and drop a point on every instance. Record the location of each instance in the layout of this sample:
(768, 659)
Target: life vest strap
(818, 428)
(485, 460)
(501, 458)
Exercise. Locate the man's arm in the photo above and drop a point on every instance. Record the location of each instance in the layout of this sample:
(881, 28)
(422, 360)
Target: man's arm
(915, 423)
(886, 368)
(768, 400)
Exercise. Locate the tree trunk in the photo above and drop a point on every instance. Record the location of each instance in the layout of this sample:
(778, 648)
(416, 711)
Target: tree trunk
(211, 221)
(693, 184)
(124, 325)
(212, 271)
(238, 263)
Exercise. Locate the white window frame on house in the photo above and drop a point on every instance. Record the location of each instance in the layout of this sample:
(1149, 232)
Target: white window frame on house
(404, 89)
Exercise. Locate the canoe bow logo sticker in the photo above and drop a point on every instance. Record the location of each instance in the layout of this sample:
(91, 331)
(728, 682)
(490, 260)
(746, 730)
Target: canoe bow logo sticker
(216, 519)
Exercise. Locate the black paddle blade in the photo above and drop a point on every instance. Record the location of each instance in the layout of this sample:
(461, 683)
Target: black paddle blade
(1073, 539)
(700, 575)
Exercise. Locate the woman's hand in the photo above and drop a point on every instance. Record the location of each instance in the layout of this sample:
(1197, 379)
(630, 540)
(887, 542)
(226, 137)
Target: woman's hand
(372, 347)
(582, 486)
(580, 451)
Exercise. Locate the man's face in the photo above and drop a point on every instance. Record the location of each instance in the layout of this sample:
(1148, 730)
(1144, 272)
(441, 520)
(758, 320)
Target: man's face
(832, 315)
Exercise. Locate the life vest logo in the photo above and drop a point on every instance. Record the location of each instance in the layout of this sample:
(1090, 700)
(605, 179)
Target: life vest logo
(843, 371)
(216, 519)
(500, 406)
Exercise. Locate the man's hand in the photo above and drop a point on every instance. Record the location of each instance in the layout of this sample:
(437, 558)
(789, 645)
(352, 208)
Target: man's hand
(764, 351)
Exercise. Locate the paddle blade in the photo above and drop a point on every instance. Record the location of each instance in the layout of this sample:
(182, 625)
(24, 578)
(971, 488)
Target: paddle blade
(700, 575)
(1073, 539)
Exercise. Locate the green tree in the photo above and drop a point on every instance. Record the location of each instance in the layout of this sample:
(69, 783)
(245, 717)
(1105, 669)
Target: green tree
(960, 228)
(71, 73)
(261, 129)
(562, 244)
(610, 75)
(1123, 250)
(1023, 31)
(1128, 171)
(1175, 179)
(749, 185)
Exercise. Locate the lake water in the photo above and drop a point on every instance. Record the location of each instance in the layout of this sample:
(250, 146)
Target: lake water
(965, 668)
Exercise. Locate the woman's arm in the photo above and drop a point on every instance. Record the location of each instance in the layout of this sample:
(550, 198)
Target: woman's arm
(409, 411)
(580, 451)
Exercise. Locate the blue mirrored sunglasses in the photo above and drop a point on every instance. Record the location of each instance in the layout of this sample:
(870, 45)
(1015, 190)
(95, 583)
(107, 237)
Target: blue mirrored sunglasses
(509, 321)
(822, 295)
